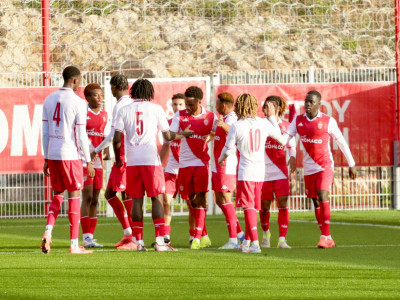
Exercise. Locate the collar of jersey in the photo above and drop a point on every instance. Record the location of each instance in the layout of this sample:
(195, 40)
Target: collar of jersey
(65, 89)
(230, 114)
(95, 112)
(124, 96)
(319, 115)
(139, 100)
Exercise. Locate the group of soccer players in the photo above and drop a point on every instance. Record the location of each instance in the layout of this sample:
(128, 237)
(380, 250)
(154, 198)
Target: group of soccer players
(249, 156)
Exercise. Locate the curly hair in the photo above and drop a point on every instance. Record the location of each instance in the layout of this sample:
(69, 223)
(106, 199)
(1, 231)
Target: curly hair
(194, 92)
(246, 105)
(120, 82)
(89, 88)
(142, 89)
(280, 102)
(315, 93)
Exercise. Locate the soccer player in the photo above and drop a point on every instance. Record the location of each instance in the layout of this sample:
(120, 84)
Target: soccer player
(224, 177)
(249, 135)
(64, 133)
(141, 121)
(95, 127)
(276, 181)
(171, 172)
(315, 129)
(194, 159)
(117, 180)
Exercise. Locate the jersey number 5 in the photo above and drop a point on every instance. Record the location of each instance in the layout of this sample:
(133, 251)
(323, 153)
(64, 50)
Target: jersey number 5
(139, 123)
(57, 115)
(254, 140)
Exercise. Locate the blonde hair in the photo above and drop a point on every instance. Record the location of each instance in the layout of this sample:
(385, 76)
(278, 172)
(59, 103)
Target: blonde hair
(246, 105)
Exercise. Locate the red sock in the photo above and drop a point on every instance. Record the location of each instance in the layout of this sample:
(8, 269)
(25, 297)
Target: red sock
(200, 218)
(167, 229)
(204, 232)
(128, 206)
(138, 230)
(93, 224)
(231, 218)
(54, 209)
(192, 232)
(283, 220)
(119, 211)
(250, 217)
(264, 219)
(74, 215)
(318, 216)
(325, 217)
(159, 227)
(247, 235)
(85, 224)
(238, 227)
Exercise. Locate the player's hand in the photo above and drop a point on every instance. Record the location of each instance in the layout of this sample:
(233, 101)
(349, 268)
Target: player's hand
(90, 170)
(106, 154)
(118, 162)
(221, 161)
(292, 164)
(220, 121)
(46, 168)
(353, 172)
(93, 156)
(269, 109)
(187, 132)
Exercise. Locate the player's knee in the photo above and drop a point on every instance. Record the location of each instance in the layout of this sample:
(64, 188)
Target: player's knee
(282, 202)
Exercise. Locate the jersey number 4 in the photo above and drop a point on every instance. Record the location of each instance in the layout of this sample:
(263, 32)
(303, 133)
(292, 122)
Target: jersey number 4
(254, 140)
(57, 114)
(139, 122)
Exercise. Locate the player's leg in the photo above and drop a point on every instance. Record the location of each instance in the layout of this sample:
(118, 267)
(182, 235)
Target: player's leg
(128, 202)
(167, 199)
(325, 216)
(283, 220)
(264, 220)
(54, 209)
(282, 192)
(137, 218)
(87, 197)
(93, 216)
(267, 196)
(224, 201)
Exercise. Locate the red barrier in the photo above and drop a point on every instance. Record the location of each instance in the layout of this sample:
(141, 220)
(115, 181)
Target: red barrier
(365, 112)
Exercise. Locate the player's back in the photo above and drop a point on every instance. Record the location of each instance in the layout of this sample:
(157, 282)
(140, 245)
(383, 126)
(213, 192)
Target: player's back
(251, 135)
(63, 110)
(141, 122)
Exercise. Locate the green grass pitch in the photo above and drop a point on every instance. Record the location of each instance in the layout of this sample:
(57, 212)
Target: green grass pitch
(365, 263)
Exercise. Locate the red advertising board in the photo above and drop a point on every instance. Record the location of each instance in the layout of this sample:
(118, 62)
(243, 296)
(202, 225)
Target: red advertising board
(21, 122)
(365, 113)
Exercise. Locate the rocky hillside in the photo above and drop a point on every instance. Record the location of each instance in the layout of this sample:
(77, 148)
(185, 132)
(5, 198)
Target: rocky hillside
(182, 38)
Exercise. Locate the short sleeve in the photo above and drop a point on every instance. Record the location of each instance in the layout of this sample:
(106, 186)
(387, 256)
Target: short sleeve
(333, 129)
(175, 122)
(231, 119)
(162, 120)
(231, 138)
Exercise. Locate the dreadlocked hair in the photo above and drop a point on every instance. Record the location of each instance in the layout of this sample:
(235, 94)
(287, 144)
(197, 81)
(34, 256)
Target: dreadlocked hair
(280, 102)
(246, 105)
(120, 82)
(89, 88)
(142, 89)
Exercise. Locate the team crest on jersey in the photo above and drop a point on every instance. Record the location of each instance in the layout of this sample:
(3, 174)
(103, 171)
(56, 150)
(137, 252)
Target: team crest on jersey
(205, 122)
(320, 125)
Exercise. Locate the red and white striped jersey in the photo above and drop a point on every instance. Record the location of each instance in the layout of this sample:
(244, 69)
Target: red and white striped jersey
(249, 136)
(230, 163)
(63, 111)
(194, 149)
(173, 158)
(275, 155)
(141, 120)
(315, 137)
(95, 127)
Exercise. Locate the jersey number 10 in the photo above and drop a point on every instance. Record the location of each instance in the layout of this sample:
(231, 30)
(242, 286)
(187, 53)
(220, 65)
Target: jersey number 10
(254, 140)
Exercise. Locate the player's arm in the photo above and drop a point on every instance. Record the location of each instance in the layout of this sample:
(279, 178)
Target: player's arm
(164, 152)
(105, 143)
(117, 136)
(173, 132)
(335, 132)
(229, 145)
(106, 154)
(45, 143)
